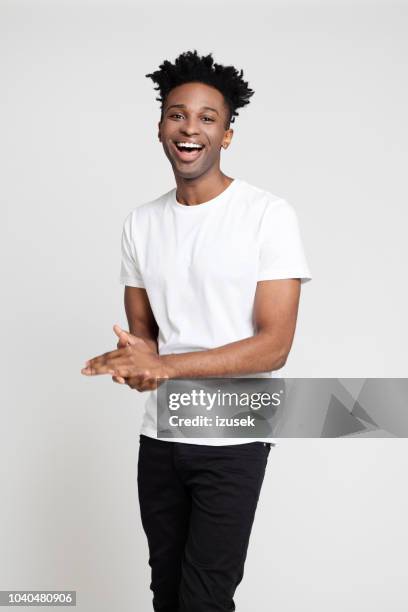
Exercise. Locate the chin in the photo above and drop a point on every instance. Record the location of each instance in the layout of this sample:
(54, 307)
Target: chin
(187, 172)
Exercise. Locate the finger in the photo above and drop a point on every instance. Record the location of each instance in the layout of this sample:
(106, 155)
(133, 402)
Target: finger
(134, 382)
(144, 382)
(118, 379)
(106, 358)
(114, 366)
(102, 368)
(117, 329)
(148, 385)
(105, 369)
(97, 370)
(122, 342)
(123, 335)
(126, 336)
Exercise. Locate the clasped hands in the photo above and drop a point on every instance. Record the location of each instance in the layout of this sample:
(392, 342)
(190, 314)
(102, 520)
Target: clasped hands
(133, 363)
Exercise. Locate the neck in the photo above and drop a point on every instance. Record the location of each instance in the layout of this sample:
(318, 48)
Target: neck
(195, 191)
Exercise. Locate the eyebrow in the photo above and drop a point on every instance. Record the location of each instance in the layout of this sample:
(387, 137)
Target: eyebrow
(184, 106)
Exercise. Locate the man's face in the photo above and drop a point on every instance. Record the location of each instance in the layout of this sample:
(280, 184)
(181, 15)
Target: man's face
(194, 113)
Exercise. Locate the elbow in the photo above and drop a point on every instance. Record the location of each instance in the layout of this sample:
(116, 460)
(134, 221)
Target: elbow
(276, 358)
(275, 353)
(274, 361)
(279, 361)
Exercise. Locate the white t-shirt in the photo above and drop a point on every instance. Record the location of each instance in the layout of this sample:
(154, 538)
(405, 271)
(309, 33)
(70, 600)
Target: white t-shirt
(200, 266)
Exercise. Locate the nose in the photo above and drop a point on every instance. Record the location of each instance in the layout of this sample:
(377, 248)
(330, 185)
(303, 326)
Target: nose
(190, 127)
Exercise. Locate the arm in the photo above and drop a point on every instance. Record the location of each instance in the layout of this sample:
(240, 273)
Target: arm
(140, 317)
(275, 314)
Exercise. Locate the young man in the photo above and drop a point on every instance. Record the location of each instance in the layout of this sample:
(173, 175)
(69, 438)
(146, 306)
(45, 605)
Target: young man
(212, 272)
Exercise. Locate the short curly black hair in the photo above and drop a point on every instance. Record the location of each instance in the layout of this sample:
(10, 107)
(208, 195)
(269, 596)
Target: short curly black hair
(190, 67)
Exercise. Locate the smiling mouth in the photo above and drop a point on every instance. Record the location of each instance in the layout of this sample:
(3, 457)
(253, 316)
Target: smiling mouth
(187, 153)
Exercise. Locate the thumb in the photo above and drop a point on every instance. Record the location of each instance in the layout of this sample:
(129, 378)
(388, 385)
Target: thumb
(118, 330)
(124, 336)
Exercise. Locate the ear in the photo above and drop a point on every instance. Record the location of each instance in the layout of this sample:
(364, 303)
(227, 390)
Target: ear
(227, 138)
(158, 126)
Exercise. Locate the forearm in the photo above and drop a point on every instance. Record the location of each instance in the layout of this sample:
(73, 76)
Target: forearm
(140, 317)
(259, 353)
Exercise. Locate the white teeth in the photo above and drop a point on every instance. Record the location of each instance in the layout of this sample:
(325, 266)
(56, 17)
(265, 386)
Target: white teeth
(190, 145)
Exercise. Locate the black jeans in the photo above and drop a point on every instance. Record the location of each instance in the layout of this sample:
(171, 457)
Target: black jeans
(197, 505)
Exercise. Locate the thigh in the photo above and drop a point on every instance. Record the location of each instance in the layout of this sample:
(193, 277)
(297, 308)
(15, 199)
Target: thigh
(164, 501)
(165, 509)
(225, 485)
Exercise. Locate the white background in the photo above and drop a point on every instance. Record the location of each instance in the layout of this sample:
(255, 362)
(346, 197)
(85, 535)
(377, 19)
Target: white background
(327, 130)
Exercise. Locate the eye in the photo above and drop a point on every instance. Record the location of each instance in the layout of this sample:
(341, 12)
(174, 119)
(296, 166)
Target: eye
(210, 119)
(176, 115)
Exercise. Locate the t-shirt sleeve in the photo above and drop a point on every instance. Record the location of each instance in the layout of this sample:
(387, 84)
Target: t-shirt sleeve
(130, 273)
(281, 249)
